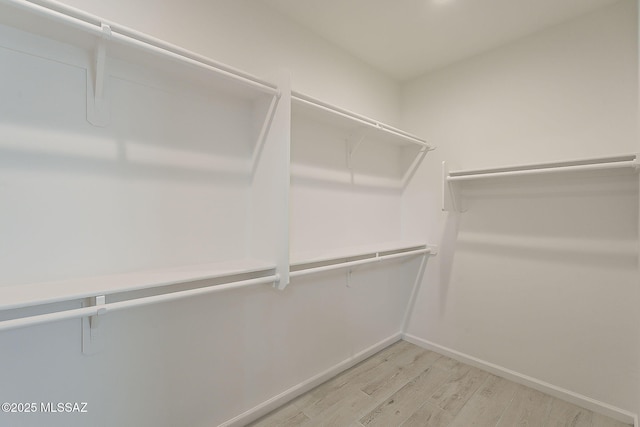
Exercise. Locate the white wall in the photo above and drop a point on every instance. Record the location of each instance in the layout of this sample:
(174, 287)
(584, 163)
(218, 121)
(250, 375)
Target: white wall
(540, 276)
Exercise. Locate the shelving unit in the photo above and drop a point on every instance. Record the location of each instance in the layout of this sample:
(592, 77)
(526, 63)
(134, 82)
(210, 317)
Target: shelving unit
(362, 166)
(451, 200)
(359, 130)
(140, 159)
(157, 169)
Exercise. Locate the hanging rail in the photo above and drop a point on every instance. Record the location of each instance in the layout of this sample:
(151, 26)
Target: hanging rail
(376, 258)
(91, 24)
(452, 200)
(307, 100)
(602, 163)
(99, 310)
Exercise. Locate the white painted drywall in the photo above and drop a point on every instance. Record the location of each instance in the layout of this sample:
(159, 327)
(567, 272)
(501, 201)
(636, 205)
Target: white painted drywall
(540, 276)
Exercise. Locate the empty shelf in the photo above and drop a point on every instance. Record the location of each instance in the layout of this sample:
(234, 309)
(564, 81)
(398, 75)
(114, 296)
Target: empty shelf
(601, 163)
(452, 201)
(77, 28)
(343, 118)
(19, 296)
(357, 256)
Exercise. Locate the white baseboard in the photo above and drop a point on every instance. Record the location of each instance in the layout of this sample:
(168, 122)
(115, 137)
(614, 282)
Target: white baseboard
(550, 389)
(295, 391)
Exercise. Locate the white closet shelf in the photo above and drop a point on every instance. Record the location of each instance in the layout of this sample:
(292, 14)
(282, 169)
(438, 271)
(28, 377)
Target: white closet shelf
(628, 161)
(21, 296)
(77, 28)
(342, 118)
(451, 198)
(358, 255)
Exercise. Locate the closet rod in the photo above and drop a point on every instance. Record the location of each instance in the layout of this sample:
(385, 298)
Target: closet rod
(99, 310)
(357, 118)
(377, 258)
(80, 20)
(633, 164)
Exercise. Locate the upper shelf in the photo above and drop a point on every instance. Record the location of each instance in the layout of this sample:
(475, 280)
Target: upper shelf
(77, 28)
(628, 161)
(343, 118)
(451, 198)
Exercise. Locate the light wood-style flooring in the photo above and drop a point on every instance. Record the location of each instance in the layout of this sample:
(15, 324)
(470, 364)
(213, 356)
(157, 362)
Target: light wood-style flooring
(405, 385)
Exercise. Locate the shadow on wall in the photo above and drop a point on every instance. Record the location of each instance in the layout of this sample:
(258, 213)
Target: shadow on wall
(155, 121)
(611, 254)
(573, 221)
(446, 251)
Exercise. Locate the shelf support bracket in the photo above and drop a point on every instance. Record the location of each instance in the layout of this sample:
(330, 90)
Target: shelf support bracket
(97, 104)
(91, 337)
(264, 131)
(415, 164)
(353, 143)
(451, 200)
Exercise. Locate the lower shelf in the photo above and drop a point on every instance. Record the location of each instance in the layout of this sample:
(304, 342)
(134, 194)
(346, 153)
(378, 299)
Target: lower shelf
(20, 296)
(94, 292)
(352, 257)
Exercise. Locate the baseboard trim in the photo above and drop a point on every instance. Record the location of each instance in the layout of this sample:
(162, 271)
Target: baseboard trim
(295, 391)
(555, 391)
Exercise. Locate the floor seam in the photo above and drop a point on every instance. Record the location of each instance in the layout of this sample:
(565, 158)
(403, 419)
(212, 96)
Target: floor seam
(504, 411)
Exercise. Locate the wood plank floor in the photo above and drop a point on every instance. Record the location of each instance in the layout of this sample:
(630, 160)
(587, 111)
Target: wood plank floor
(405, 385)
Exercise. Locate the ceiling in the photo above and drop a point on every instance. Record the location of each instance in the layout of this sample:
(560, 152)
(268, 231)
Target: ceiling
(406, 38)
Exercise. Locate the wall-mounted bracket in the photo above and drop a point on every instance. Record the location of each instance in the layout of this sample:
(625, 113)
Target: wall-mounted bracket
(97, 104)
(415, 164)
(451, 200)
(353, 143)
(91, 338)
(264, 131)
(279, 283)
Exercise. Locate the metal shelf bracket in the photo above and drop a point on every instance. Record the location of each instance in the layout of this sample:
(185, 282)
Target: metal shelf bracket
(451, 200)
(97, 104)
(91, 337)
(353, 143)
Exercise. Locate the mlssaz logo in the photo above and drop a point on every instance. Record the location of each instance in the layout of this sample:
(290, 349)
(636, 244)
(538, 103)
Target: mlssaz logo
(68, 407)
